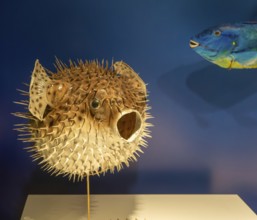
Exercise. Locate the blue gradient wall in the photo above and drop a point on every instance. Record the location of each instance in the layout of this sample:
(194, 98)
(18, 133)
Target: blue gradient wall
(205, 134)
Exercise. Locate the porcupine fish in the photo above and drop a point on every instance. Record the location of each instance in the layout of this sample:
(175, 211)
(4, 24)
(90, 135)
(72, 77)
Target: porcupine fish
(229, 45)
(86, 118)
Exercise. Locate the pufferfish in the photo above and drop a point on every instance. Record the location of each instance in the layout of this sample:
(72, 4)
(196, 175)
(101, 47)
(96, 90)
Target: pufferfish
(85, 119)
(228, 46)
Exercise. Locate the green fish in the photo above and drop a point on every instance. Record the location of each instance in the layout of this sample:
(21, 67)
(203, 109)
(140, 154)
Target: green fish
(228, 46)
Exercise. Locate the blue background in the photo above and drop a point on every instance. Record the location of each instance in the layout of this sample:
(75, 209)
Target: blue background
(205, 134)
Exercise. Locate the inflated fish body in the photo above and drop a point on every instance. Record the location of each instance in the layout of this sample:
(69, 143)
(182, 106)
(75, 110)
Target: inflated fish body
(228, 46)
(87, 118)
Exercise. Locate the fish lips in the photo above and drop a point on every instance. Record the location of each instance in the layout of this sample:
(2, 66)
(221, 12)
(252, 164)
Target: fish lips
(128, 125)
(203, 50)
(193, 44)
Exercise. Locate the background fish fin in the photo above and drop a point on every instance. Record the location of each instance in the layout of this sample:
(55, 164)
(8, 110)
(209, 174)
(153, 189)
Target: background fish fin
(250, 22)
(37, 92)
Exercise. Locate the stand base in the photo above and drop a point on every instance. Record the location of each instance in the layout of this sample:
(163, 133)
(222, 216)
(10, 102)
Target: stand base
(137, 207)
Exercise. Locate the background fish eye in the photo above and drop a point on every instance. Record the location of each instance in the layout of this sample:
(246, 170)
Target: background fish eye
(217, 33)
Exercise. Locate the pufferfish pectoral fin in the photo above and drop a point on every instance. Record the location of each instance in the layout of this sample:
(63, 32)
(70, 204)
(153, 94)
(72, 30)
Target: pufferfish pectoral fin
(37, 91)
(123, 68)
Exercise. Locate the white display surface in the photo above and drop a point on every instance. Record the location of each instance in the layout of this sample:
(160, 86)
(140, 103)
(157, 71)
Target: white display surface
(137, 207)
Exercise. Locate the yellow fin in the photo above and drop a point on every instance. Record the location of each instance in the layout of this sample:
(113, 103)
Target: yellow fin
(37, 92)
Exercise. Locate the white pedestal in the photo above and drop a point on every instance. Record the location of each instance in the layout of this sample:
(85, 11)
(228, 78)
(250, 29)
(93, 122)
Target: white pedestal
(137, 207)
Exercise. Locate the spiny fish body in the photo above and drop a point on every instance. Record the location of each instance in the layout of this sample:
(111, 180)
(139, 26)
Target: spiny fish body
(229, 45)
(86, 118)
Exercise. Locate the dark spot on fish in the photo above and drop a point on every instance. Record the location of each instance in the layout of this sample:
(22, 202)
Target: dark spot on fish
(40, 105)
(51, 123)
(64, 108)
(37, 100)
(79, 118)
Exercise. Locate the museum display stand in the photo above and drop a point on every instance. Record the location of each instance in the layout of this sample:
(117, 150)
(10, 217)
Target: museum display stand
(137, 207)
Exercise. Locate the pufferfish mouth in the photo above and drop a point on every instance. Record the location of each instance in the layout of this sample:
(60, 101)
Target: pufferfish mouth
(129, 124)
(193, 44)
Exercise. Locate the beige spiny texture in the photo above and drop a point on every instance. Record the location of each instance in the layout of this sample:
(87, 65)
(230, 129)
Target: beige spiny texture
(85, 119)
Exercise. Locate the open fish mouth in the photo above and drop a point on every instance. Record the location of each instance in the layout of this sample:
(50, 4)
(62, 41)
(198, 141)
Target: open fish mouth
(129, 125)
(193, 44)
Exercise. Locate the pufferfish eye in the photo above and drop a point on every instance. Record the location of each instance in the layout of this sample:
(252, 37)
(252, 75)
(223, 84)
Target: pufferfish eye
(95, 104)
(217, 33)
